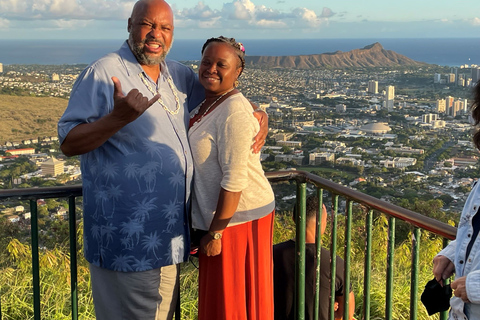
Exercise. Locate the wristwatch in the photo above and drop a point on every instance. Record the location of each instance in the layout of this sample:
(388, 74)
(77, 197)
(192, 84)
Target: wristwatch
(215, 235)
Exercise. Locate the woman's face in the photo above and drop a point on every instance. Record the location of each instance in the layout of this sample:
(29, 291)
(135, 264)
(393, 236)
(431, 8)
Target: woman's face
(218, 68)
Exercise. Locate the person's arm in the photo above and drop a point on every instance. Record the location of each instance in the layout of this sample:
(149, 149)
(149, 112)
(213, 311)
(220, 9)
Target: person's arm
(351, 306)
(226, 206)
(262, 118)
(86, 137)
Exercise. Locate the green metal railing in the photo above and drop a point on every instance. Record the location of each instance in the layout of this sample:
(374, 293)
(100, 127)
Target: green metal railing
(370, 205)
(302, 179)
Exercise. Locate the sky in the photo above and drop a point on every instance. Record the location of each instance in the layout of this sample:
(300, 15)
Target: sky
(247, 19)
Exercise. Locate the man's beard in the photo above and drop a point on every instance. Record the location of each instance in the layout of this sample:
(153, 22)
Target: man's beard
(142, 58)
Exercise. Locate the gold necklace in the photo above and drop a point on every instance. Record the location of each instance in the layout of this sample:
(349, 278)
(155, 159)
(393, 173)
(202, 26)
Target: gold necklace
(209, 107)
(172, 87)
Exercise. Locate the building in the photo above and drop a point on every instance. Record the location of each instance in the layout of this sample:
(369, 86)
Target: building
(441, 106)
(1, 67)
(376, 128)
(292, 144)
(16, 152)
(429, 118)
(389, 97)
(52, 167)
(449, 105)
(55, 77)
(317, 158)
(408, 150)
(451, 78)
(437, 77)
(398, 162)
(289, 157)
(372, 87)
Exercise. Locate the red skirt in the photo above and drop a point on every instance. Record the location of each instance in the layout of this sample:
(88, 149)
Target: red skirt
(238, 283)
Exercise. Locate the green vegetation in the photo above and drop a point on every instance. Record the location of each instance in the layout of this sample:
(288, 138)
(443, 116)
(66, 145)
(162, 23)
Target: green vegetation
(16, 279)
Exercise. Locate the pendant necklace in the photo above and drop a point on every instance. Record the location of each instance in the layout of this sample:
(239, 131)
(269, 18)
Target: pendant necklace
(209, 107)
(172, 87)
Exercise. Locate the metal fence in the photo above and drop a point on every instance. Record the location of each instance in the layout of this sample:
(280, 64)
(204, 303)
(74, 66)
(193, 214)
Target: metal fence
(371, 205)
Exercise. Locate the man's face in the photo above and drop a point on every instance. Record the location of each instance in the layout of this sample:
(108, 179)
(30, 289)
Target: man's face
(151, 31)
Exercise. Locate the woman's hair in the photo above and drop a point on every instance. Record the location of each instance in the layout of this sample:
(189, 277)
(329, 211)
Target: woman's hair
(476, 114)
(237, 46)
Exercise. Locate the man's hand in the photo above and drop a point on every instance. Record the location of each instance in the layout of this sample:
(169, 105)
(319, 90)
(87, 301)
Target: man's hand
(259, 139)
(210, 246)
(128, 108)
(460, 289)
(443, 268)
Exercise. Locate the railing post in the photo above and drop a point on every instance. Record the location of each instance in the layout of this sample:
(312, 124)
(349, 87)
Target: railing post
(320, 226)
(390, 256)
(300, 250)
(35, 259)
(414, 274)
(367, 266)
(72, 221)
(333, 257)
(348, 245)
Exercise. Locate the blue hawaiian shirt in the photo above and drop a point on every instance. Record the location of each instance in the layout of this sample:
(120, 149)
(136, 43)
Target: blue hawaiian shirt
(136, 186)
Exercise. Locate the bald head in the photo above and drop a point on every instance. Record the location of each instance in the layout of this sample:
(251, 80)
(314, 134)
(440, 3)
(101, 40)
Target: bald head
(150, 30)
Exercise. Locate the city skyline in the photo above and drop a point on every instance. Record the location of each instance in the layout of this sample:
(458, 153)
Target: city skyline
(245, 19)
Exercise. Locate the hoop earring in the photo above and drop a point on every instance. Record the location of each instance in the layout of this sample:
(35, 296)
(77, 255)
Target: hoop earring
(236, 83)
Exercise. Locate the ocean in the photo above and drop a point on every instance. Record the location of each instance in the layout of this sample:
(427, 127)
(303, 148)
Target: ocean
(445, 52)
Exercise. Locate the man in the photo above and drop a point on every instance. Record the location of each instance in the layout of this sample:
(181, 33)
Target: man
(136, 167)
(284, 273)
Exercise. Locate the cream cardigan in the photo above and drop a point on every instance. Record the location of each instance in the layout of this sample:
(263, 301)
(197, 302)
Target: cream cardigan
(222, 156)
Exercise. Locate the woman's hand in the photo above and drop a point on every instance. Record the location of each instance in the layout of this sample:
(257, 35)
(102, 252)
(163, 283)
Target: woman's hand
(209, 246)
(259, 139)
(460, 288)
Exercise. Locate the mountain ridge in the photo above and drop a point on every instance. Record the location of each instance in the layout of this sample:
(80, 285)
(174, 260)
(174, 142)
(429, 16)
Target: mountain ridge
(373, 55)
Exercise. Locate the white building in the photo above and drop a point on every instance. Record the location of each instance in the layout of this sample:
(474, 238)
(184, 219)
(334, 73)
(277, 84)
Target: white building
(398, 162)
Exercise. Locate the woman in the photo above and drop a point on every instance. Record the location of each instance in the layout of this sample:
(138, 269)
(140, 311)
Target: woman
(232, 199)
(462, 255)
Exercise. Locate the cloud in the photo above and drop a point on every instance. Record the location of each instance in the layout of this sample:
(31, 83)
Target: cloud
(65, 9)
(4, 23)
(242, 14)
(232, 15)
(475, 21)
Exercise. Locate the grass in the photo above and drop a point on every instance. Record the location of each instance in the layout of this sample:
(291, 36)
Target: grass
(16, 279)
(27, 117)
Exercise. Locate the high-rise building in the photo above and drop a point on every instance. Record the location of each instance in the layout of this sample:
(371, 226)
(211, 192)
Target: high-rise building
(429, 118)
(475, 74)
(372, 86)
(1, 67)
(449, 105)
(441, 106)
(389, 97)
(437, 77)
(451, 78)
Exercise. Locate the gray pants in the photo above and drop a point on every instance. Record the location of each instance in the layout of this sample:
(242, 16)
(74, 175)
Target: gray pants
(146, 295)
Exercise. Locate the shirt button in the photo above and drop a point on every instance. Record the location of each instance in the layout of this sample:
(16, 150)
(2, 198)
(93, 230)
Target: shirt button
(469, 235)
(185, 152)
(461, 261)
(469, 260)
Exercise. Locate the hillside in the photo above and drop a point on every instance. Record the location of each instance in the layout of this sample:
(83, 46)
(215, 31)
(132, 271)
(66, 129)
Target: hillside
(29, 117)
(370, 56)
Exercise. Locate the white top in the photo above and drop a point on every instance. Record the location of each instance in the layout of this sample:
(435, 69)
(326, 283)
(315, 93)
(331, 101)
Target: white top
(221, 147)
